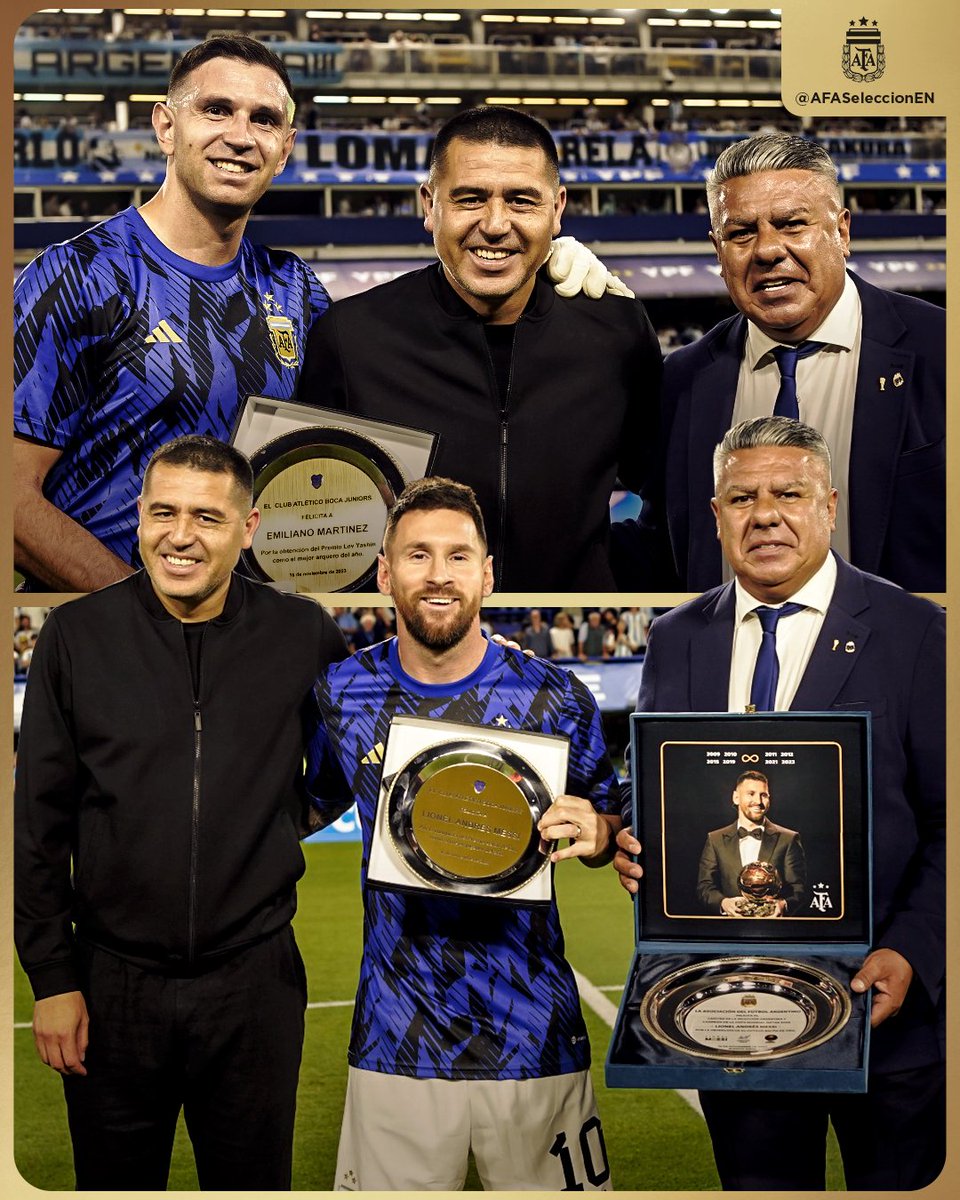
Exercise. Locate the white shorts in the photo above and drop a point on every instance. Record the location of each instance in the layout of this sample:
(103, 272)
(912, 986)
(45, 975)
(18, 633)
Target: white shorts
(531, 1135)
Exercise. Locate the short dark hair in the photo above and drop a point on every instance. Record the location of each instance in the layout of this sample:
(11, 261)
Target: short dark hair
(246, 49)
(752, 775)
(202, 453)
(500, 125)
(769, 152)
(758, 432)
(430, 495)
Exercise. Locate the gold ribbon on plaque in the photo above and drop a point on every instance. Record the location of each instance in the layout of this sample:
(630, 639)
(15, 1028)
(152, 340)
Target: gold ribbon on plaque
(466, 812)
(745, 1008)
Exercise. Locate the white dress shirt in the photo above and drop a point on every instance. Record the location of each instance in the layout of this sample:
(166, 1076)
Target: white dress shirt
(796, 636)
(749, 846)
(826, 387)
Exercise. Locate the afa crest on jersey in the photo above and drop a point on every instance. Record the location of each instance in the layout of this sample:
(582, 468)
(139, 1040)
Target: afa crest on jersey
(284, 341)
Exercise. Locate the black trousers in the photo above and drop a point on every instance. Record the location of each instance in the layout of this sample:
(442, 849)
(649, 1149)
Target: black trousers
(224, 1045)
(892, 1138)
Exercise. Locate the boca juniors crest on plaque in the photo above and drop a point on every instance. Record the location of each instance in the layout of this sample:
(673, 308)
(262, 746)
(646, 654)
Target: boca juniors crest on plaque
(864, 56)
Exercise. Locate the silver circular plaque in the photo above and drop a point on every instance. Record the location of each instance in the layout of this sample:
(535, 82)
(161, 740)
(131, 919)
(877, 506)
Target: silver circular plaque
(745, 1008)
(464, 815)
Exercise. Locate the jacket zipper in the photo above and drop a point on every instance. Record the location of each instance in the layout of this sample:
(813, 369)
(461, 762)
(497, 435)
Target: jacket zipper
(503, 407)
(193, 887)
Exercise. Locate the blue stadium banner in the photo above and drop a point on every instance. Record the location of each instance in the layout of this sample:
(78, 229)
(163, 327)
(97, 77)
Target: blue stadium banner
(72, 155)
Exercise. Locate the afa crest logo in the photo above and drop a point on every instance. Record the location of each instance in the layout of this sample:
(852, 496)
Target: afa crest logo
(281, 330)
(282, 335)
(864, 56)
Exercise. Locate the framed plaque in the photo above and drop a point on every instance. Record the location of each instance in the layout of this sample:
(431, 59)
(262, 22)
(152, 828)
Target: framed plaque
(753, 912)
(802, 877)
(459, 807)
(324, 482)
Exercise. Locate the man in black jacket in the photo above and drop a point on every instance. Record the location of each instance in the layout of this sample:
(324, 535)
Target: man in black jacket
(539, 403)
(160, 758)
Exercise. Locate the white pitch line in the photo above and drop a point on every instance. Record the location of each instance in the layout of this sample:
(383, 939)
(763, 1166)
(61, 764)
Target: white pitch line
(606, 1010)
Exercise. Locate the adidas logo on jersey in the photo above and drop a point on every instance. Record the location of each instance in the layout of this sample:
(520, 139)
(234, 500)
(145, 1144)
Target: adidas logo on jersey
(374, 756)
(163, 333)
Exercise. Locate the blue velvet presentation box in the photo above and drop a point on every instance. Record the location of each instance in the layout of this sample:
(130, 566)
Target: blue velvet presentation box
(751, 1002)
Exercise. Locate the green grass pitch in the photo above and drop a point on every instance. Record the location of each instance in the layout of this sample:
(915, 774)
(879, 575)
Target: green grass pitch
(655, 1141)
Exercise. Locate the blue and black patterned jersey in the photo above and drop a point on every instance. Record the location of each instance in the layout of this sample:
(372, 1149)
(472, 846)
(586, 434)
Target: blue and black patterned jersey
(455, 988)
(121, 345)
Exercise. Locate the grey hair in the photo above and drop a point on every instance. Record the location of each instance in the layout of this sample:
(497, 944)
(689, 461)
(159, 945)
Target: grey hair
(770, 431)
(769, 152)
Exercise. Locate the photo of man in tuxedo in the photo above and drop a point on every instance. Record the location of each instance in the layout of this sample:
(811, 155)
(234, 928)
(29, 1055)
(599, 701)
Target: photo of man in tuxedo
(752, 837)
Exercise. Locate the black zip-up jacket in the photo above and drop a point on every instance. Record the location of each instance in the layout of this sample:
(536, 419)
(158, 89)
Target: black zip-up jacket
(581, 408)
(179, 811)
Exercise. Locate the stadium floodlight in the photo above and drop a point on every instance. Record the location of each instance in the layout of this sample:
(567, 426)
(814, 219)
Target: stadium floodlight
(331, 99)
(38, 96)
(662, 21)
(764, 24)
(441, 16)
(690, 22)
(324, 14)
(525, 20)
(610, 101)
(368, 99)
(608, 20)
(83, 97)
(496, 18)
(364, 16)
(435, 100)
(730, 24)
(403, 16)
(262, 14)
(146, 98)
(571, 20)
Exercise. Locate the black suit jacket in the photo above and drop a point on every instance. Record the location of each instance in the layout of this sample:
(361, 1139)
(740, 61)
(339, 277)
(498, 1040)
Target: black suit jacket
(720, 864)
(896, 671)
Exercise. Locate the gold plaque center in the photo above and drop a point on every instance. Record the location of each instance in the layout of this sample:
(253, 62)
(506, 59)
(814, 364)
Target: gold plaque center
(322, 521)
(472, 820)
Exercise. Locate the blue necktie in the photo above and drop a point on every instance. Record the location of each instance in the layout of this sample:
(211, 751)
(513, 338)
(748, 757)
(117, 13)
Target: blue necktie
(766, 673)
(787, 356)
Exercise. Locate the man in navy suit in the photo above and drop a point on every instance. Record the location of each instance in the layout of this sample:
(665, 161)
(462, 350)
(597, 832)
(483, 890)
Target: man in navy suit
(752, 837)
(857, 642)
(873, 383)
